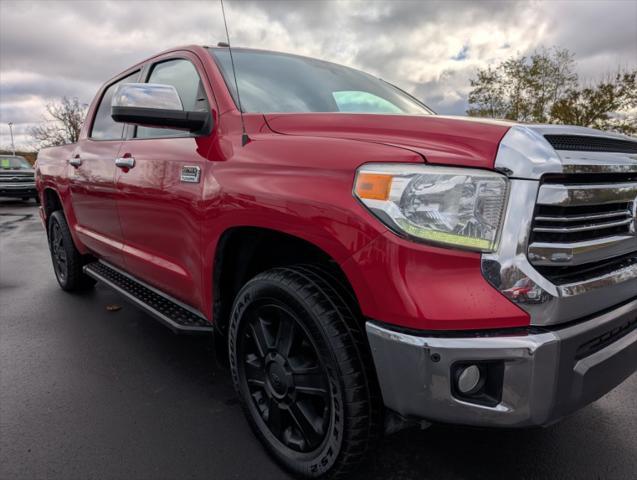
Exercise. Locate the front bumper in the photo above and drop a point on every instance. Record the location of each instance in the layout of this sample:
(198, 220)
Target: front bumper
(545, 375)
(23, 189)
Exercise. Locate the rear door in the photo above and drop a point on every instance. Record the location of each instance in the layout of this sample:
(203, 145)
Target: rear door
(92, 179)
(159, 198)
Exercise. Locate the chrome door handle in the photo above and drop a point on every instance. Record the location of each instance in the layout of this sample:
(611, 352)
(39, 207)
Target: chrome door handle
(125, 162)
(76, 161)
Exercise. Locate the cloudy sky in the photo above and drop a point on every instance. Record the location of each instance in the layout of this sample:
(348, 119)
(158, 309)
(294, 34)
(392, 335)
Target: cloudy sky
(49, 49)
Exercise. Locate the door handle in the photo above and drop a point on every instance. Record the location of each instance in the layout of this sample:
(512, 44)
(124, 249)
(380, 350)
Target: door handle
(76, 161)
(125, 162)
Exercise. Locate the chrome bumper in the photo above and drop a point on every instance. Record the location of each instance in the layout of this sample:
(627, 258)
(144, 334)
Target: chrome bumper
(545, 376)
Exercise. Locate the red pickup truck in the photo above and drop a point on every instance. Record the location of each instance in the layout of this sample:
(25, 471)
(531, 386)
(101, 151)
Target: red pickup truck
(366, 263)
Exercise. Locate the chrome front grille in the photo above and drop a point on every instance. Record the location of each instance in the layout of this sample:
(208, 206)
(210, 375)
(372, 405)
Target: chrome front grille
(571, 224)
(16, 177)
(568, 247)
(581, 227)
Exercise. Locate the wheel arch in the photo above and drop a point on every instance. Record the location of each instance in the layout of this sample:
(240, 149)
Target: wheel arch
(243, 252)
(51, 201)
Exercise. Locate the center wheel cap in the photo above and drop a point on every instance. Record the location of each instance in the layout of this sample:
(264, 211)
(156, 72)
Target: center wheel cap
(279, 378)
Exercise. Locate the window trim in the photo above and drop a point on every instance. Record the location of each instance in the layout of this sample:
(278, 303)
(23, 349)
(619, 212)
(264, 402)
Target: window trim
(146, 72)
(113, 81)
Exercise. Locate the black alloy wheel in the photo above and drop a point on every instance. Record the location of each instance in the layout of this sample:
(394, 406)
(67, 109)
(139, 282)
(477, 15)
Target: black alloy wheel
(302, 368)
(58, 253)
(284, 375)
(67, 261)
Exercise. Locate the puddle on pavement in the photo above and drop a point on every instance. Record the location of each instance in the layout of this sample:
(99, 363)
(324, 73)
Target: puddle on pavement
(10, 221)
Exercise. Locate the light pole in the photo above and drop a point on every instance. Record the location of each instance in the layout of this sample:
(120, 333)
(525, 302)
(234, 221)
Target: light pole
(11, 132)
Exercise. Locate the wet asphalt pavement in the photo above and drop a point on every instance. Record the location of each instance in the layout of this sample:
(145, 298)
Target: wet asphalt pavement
(87, 393)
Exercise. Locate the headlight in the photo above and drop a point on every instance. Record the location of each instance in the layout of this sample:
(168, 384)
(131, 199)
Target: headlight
(459, 207)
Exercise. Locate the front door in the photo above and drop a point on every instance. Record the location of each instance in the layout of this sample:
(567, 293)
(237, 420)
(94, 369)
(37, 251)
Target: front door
(92, 180)
(159, 197)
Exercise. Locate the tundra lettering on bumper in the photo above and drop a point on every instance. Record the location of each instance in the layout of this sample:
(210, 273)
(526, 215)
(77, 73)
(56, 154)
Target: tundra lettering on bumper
(540, 377)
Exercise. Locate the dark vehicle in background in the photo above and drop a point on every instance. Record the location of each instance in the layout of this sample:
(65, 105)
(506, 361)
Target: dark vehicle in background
(17, 178)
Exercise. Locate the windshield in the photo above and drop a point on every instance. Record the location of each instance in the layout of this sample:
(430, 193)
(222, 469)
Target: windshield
(14, 163)
(277, 82)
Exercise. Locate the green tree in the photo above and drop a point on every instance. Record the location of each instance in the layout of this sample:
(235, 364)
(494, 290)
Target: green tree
(543, 88)
(488, 95)
(608, 105)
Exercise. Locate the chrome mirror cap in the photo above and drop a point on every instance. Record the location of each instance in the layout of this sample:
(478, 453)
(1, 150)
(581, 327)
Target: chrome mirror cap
(147, 95)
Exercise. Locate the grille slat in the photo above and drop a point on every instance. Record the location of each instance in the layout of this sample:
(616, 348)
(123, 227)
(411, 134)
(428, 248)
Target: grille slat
(581, 218)
(591, 197)
(584, 228)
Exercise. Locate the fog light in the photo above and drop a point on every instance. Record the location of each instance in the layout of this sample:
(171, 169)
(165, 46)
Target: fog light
(469, 379)
(478, 381)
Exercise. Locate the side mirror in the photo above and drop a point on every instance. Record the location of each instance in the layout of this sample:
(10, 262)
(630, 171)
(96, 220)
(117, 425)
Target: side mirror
(155, 105)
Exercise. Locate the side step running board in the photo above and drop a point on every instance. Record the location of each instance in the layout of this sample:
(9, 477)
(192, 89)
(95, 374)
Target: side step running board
(174, 314)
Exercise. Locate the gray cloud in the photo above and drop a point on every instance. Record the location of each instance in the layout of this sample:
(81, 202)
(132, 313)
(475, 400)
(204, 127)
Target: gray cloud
(53, 48)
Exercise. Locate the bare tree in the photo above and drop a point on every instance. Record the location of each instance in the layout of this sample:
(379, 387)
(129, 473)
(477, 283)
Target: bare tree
(63, 125)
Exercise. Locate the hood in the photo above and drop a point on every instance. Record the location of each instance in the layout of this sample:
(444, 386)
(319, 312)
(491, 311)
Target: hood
(461, 141)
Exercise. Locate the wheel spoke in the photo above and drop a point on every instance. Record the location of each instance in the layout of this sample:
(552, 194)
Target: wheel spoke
(311, 383)
(260, 337)
(274, 418)
(285, 337)
(57, 236)
(303, 421)
(254, 373)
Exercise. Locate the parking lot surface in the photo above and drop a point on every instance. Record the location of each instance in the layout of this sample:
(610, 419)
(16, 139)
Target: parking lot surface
(89, 393)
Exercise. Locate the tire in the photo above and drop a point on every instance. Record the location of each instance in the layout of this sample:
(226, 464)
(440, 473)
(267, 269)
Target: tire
(311, 397)
(67, 261)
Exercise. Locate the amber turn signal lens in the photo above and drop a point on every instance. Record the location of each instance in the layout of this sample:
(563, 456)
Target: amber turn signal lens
(373, 186)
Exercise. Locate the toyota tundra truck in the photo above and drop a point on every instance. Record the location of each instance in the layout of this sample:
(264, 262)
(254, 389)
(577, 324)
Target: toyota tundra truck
(364, 264)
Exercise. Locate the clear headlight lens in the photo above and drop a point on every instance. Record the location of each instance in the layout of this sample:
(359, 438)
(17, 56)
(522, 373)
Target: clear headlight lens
(459, 207)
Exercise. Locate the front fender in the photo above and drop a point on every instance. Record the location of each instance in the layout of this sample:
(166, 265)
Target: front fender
(300, 186)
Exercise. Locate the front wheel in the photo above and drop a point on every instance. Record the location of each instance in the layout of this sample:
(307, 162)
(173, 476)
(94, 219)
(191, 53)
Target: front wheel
(303, 372)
